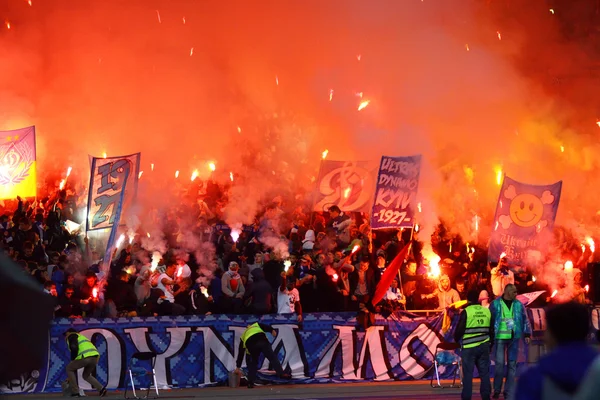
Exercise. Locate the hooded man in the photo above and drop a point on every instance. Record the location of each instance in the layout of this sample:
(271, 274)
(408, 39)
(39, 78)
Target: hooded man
(309, 240)
(233, 289)
(445, 294)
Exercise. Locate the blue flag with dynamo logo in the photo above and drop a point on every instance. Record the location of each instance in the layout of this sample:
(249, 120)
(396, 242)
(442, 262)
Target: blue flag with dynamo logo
(523, 221)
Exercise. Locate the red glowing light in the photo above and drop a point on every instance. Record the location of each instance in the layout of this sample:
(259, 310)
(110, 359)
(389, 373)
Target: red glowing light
(95, 293)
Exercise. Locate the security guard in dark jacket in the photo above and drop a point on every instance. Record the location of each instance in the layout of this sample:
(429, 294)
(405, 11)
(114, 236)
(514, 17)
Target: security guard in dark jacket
(477, 332)
(83, 355)
(254, 342)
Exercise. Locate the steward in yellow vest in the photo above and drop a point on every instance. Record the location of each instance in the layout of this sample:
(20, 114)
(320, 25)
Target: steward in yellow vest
(475, 331)
(253, 343)
(83, 355)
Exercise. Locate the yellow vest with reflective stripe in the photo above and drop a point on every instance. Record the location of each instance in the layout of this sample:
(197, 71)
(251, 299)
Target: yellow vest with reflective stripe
(86, 348)
(504, 332)
(478, 326)
(251, 331)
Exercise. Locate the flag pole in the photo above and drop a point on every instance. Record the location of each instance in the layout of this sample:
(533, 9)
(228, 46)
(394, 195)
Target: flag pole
(400, 269)
(312, 207)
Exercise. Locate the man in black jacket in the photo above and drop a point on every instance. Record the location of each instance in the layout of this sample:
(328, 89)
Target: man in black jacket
(254, 342)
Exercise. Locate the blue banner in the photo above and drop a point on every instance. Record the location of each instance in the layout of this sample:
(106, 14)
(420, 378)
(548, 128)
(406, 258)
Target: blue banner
(195, 351)
(523, 221)
(107, 181)
(396, 191)
(115, 227)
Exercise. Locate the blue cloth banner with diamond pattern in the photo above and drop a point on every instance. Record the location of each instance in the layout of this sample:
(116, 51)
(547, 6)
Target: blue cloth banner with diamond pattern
(196, 351)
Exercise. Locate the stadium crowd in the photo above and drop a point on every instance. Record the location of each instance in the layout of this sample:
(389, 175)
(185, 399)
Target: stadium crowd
(289, 261)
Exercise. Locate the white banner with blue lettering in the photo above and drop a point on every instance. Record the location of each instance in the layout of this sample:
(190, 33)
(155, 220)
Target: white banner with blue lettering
(197, 351)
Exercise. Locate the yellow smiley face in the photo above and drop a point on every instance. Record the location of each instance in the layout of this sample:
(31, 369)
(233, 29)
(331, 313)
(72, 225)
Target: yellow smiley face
(526, 210)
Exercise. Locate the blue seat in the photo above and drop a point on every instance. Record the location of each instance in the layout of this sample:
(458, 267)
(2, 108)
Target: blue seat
(149, 358)
(445, 354)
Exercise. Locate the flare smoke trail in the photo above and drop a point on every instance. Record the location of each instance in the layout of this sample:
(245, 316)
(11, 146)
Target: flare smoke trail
(262, 88)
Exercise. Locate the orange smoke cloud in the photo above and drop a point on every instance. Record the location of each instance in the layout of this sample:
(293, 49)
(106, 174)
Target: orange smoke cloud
(119, 76)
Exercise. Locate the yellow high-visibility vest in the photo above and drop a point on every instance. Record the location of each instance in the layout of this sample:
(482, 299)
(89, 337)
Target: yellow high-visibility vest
(505, 330)
(85, 347)
(478, 326)
(251, 331)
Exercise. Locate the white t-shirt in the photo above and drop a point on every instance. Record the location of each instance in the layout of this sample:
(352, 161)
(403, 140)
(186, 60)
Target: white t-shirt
(167, 290)
(390, 295)
(286, 301)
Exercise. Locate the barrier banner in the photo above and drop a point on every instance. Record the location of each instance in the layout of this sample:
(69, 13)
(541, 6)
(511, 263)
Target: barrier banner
(17, 163)
(523, 221)
(195, 351)
(107, 180)
(347, 184)
(396, 191)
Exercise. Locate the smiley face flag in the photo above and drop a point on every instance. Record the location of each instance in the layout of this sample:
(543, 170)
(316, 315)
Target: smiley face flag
(523, 222)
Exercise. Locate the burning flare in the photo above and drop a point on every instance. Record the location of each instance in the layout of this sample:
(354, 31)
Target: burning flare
(286, 265)
(194, 175)
(235, 234)
(104, 155)
(155, 260)
(355, 249)
(324, 154)
(363, 105)
(569, 266)
(176, 174)
(64, 181)
(347, 192)
(179, 272)
(212, 166)
(95, 292)
(434, 267)
(554, 293)
(120, 240)
(499, 176)
(140, 174)
(591, 244)
(335, 277)
(231, 176)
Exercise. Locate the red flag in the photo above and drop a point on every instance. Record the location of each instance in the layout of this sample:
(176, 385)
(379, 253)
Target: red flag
(390, 273)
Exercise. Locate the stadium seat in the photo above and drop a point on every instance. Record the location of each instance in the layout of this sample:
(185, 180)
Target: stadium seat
(445, 354)
(137, 371)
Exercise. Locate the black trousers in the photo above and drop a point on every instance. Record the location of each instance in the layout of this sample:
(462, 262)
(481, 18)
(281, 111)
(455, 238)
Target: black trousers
(255, 349)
